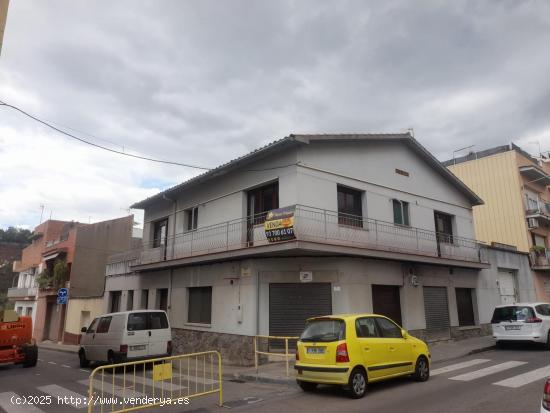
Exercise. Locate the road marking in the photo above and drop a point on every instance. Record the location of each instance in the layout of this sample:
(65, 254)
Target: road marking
(488, 371)
(40, 360)
(64, 365)
(10, 407)
(458, 366)
(85, 371)
(58, 391)
(108, 388)
(525, 378)
(52, 362)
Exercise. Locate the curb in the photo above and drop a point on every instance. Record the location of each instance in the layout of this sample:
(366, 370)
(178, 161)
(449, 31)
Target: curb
(261, 379)
(60, 349)
(469, 353)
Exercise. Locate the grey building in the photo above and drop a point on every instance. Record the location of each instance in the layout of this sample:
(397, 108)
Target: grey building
(310, 225)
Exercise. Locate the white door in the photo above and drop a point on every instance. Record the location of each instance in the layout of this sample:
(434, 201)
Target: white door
(159, 333)
(137, 335)
(507, 287)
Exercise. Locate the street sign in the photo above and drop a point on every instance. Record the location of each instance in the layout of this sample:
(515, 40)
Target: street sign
(62, 296)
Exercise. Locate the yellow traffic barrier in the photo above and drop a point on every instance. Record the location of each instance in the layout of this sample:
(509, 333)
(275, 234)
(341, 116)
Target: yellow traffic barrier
(286, 354)
(165, 381)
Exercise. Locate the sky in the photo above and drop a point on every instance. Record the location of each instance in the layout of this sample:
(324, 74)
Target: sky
(202, 82)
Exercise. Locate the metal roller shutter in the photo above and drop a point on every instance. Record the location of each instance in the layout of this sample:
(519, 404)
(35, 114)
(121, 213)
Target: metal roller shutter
(436, 309)
(290, 305)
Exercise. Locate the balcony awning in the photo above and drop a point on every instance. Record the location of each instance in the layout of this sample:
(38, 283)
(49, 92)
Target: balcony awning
(535, 174)
(52, 256)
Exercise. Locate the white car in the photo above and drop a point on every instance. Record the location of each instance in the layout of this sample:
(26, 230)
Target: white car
(545, 404)
(522, 322)
(126, 336)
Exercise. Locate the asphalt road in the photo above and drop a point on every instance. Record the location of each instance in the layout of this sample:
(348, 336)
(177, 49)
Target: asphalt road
(504, 381)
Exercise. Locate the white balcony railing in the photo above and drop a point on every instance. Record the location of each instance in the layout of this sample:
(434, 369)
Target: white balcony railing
(316, 225)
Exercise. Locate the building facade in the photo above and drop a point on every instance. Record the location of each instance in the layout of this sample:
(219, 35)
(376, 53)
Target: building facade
(514, 186)
(77, 254)
(310, 225)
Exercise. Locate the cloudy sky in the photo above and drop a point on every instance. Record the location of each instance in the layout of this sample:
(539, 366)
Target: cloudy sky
(205, 81)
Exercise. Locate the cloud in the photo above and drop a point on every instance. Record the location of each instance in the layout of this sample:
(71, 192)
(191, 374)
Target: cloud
(204, 81)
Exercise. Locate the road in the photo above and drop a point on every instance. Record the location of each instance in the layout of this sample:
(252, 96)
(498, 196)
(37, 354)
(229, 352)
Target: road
(504, 381)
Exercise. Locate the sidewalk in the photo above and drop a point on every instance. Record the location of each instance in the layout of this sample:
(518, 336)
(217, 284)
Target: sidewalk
(50, 345)
(274, 372)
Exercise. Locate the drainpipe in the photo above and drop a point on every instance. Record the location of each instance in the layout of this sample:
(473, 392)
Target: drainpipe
(258, 303)
(169, 303)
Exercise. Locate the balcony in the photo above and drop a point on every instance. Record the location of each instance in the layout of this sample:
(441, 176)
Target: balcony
(16, 292)
(540, 259)
(321, 231)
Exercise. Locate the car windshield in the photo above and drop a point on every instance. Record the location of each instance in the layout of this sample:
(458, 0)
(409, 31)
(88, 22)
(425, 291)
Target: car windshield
(324, 330)
(512, 313)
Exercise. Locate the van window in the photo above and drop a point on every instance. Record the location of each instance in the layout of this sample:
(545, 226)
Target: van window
(512, 313)
(157, 321)
(326, 330)
(103, 326)
(92, 327)
(137, 321)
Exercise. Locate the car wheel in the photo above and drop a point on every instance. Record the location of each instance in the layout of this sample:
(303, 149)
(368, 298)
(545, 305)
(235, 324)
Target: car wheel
(422, 369)
(84, 362)
(31, 356)
(306, 385)
(357, 385)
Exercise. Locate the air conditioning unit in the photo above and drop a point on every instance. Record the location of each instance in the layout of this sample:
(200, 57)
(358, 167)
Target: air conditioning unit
(532, 223)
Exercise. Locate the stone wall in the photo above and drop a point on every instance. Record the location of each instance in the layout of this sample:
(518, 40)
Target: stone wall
(235, 349)
(456, 333)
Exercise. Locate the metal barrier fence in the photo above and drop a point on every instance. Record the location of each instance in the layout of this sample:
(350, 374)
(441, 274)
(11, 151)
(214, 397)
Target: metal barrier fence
(286, 354)
(166, 381)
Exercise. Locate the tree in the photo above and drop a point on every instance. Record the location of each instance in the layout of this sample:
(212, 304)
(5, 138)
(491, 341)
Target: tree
(17, 235)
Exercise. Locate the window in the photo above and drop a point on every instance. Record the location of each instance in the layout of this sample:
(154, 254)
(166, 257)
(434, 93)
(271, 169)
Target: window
(130, 300)
(200, 305)
(350, 209)
(324, 331)
(93, 326)
(512, 313)
(262, 200)
(366, 327)
(160, 232)
(443, 227)
(115, 301)
(191, 218)
(157, 321)
(137, 321)
(19, 310)
(144, 299)
(401, 212)
(543, 309)
(28, 312)
(103, 326)
(388, 329)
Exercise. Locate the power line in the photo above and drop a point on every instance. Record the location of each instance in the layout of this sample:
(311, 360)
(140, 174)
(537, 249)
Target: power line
(97, 145)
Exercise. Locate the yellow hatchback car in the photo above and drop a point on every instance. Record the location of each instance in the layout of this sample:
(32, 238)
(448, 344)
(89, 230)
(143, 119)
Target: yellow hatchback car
(355, 349)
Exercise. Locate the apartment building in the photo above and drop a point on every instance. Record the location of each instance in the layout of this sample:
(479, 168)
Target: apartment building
(70, 255)
(514, 186)
(311, 225)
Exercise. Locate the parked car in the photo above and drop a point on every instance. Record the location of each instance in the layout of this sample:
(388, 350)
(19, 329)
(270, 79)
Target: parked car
(356, 349)
(126, 336)
(545, 404)
(522, 322)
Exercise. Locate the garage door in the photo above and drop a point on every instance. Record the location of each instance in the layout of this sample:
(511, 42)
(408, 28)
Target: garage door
(436, 309)
(386, 301)
(291, 304)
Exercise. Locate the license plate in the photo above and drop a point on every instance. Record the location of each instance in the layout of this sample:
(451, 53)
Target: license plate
(315, 350)
(140, 347)
(512, 327)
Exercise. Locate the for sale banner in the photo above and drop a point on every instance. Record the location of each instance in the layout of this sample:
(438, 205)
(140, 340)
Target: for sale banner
(279, 224)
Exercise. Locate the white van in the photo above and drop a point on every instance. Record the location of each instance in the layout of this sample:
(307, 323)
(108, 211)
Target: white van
(126, 336)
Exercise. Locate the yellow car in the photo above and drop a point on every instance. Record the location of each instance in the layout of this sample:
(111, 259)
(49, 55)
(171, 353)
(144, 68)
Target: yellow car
(355, 349)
